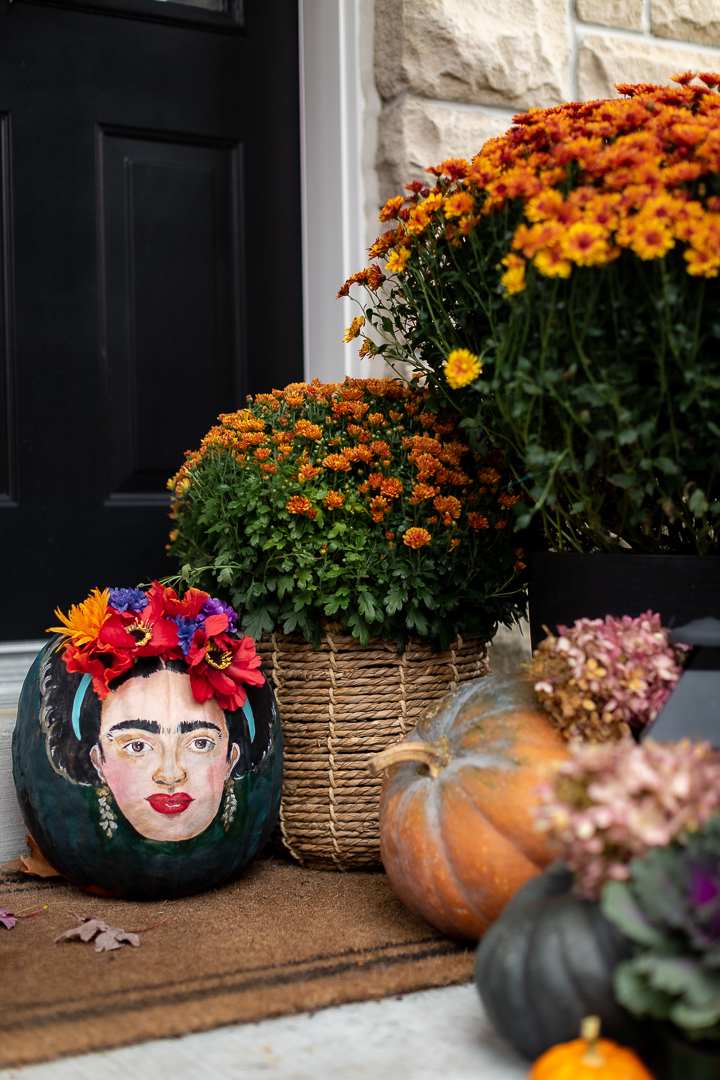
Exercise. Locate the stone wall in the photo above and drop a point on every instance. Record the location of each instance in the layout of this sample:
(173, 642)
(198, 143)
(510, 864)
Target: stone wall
(451, 73)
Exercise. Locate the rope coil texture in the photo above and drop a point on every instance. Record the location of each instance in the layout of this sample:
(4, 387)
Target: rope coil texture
(339, 706)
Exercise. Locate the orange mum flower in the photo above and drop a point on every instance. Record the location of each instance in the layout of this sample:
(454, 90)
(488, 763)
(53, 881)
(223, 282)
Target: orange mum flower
(462, 203)
(397, 260)
(420, 492)
(391, 208)
(298, 504)
(514, 277)
(309, 472)
(651, 239)
(354, 328)
(552, 263)
(391, 487)
(478, 522)
(416, 538)
(379, 507)
(336, 462)
(305, 430)
(586, 244)
(448, 505)
(263, 453)
(334, 500)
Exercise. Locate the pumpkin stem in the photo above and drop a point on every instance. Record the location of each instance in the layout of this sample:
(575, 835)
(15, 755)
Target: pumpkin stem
(590, 1033)
(435, 755)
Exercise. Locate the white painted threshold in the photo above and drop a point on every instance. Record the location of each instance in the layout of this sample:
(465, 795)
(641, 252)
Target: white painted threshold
(16, 658)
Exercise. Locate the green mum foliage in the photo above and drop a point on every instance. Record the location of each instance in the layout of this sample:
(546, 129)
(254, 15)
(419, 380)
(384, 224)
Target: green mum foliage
(358, 505)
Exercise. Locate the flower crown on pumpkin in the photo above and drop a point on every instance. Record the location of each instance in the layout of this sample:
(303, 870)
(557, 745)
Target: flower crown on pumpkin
(104, 636)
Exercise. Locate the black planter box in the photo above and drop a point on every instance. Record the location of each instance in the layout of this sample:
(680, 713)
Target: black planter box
(568, 586)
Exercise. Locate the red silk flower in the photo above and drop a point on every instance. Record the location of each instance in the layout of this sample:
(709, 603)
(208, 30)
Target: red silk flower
(219, 665)
(147, 633)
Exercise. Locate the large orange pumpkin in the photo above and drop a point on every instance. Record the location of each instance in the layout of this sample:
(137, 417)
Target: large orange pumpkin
(457, 834)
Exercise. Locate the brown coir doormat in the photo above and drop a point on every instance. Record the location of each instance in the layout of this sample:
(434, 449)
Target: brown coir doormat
(281, 939)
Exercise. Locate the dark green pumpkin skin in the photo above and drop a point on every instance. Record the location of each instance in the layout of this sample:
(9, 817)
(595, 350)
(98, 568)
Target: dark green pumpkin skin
(64, 820)
(548, 962)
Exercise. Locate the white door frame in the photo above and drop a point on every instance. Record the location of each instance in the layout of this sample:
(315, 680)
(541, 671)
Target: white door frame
(339, 110)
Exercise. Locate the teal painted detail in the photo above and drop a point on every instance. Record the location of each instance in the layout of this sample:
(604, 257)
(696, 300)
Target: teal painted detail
(77, 704)
(247, 709)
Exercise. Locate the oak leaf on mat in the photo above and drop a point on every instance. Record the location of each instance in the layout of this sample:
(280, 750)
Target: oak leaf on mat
(108, 937)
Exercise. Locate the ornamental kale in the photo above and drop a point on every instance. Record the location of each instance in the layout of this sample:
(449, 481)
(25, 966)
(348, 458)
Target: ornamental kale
(356, 504)
(670, 910)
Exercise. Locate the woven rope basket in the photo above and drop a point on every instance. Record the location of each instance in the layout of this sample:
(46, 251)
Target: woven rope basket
(339, 706)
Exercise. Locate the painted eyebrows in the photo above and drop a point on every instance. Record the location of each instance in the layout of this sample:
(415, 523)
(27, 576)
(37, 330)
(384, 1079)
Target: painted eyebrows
(154, 728)
(137, 725)
(197, 725)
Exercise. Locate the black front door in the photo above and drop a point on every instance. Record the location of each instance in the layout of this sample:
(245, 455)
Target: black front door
(149, 271)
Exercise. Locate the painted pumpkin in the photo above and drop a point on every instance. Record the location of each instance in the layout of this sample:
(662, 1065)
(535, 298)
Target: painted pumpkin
(589, 1058)
(457, 835)
(548, 962)
(148, 793)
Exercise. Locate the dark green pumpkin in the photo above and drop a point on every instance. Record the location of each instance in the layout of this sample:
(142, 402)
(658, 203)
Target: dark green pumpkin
(547, 963)
(60, 796)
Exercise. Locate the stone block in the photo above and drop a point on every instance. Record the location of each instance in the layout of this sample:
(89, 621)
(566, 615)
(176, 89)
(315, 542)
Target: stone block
(511, 53)
(688, 20)
(604, 61)
(415, 134)
(627, 14)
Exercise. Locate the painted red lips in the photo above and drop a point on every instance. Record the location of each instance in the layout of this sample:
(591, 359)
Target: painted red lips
(170, 804)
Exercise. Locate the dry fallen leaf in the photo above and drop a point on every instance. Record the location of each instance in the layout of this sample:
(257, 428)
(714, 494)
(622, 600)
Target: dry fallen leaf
(9, 918)
(108, 937)
(35, 863)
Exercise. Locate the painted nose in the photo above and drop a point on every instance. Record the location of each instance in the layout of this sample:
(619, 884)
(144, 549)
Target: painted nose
(170, 772)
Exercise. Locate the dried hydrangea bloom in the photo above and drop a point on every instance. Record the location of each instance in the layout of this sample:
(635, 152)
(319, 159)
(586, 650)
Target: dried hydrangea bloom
(602, 677)
(609, 804)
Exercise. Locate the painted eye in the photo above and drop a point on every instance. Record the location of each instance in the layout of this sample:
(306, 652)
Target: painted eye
(202, 744)
(137, 746)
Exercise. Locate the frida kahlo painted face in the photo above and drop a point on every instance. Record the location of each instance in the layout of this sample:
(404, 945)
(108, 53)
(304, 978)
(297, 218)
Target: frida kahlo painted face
(164, 755)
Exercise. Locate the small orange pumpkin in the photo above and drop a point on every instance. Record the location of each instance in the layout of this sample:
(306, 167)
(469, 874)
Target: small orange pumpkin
(457, 834)
(589, 1058)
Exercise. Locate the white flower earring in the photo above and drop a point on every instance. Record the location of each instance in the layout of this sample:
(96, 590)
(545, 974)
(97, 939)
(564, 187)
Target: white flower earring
(228, 814)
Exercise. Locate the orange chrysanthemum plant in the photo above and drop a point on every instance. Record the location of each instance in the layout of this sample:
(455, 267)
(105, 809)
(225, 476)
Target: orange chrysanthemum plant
(353, 503)
(561, 289)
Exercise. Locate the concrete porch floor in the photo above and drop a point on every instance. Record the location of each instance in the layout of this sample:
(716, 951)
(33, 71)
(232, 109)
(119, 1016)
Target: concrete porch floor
(431, 1034)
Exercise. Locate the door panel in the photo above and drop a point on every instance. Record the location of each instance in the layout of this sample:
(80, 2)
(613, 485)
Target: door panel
(169, 267)
(150, 164)
(8, 418)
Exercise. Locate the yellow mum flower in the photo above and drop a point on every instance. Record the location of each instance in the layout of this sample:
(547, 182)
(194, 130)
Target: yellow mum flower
(514, 277)
(84, 622)
(354, 328)
(397, 260)
(461, 368)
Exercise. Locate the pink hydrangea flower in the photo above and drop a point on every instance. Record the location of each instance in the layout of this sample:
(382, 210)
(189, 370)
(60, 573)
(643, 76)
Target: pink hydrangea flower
(601, 677)
(610, 803)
